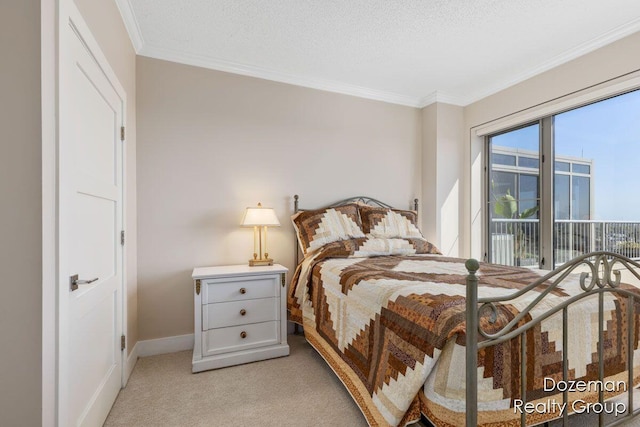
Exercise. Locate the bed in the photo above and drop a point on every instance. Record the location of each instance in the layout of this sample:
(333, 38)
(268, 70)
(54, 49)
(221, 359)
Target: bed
(406, 329)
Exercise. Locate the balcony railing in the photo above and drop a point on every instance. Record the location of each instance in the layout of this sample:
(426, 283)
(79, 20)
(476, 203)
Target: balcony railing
(516, 241)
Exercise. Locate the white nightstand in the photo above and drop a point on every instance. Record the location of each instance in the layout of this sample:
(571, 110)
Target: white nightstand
(240, 315)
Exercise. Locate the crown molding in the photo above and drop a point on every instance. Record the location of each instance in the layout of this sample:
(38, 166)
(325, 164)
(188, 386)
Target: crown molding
(173, 55)
(440, 97)
(131, 24)
(569, 55)
(432, 98)
(146, 49)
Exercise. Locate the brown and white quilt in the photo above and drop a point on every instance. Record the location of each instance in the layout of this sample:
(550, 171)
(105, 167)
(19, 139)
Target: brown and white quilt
(388, 315)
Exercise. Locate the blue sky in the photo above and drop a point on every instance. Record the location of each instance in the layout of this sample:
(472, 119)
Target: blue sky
(609, 133)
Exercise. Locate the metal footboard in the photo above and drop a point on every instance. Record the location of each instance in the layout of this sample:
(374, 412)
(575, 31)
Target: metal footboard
(603, 276)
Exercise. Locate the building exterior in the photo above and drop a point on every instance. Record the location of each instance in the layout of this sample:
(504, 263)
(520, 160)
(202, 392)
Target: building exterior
(514, 240)
(516, 171)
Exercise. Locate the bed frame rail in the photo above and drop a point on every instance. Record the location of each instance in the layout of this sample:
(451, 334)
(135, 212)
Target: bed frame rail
(601, 277)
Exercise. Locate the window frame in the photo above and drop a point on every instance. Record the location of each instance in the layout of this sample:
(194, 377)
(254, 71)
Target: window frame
(546, 170)
(474, 233)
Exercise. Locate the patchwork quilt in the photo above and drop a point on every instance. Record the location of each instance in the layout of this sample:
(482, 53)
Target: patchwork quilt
(388, 315)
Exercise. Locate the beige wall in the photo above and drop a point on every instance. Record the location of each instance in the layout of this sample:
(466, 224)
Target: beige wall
(212, 143)
(580, 75)
(106, 25)
(21, 215)
(429, 215)
(591, 69)
(441, 169)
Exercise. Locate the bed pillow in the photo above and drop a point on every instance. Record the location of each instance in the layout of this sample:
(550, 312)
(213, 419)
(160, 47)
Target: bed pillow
(373, 247)
(377, 246)
(390, 223)
(322, 226)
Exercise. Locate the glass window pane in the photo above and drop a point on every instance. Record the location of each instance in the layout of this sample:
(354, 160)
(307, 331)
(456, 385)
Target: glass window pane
(561, 196)
(526, 138)
(562, 167)
(605, 137)
(529, 194)
(580, 198)
(503, 159)
(514, 197)
(578, 168)
(502, 184)
(528, 162)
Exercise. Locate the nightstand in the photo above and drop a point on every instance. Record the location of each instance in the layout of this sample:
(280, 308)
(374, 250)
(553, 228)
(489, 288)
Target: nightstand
(240, 315)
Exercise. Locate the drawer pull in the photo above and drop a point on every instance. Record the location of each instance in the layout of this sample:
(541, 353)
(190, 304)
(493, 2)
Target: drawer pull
(243, 312)
(243, 291)
(243, 334)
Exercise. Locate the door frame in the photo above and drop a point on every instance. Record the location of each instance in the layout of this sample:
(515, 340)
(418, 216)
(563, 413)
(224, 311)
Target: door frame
(55, 15)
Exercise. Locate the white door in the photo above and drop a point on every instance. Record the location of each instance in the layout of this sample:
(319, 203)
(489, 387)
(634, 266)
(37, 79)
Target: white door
(90, 309)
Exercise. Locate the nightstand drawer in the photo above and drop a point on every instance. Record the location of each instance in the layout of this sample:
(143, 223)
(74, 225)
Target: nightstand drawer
(234, 338)
(244, 312)
(240, 288)
(240, 315)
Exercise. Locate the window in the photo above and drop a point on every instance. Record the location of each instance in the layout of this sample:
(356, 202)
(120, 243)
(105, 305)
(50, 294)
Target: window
(580, 200)
(501, 159)
(528, 162)
(514, 197)
(562, 196)
(528, 194)
(578, 168)
(591, 154)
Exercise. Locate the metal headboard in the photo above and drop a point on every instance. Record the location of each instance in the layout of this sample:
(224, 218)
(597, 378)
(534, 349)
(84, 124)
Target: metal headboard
(361, 199)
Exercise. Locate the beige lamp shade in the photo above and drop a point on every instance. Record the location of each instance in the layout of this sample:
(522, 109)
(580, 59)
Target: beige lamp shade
(260, 216)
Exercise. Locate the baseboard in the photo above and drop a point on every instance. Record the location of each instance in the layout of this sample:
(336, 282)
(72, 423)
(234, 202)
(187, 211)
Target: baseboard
(165, 345)
(130, 363)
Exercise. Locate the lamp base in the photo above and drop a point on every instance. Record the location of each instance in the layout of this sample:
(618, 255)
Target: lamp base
(260, 262)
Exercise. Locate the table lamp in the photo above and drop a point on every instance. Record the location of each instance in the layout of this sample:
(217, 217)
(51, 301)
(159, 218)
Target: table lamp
(260, 218)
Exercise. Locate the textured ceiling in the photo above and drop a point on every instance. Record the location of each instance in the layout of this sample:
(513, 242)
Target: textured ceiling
(411, 52)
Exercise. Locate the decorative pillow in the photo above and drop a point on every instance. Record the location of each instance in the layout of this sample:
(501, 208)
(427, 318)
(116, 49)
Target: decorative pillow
(373, 246)
(423, 246)
(389, 223)
(319, 227)
(376, 246)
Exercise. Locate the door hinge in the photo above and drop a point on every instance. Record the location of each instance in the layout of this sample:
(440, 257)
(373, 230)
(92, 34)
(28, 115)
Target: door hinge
(122, 237)
(123, 342)
(542, 261)
(198, 287)
(283, 279)
(122, 133)
(543, 158)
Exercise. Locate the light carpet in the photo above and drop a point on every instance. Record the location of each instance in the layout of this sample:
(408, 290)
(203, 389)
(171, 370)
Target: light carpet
(298, 390)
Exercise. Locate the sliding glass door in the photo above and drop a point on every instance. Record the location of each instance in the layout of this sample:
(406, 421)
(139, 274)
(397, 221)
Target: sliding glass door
(514, 196)
(589, 157)
(596, 170)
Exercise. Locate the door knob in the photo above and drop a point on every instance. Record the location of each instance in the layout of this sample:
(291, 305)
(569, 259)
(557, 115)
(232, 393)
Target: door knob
(74, 282)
